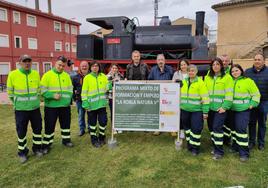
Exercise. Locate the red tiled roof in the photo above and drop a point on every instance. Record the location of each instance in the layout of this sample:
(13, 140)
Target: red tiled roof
(36, 12)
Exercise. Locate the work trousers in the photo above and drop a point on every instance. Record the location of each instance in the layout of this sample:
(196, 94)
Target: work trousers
(22, 120)
(228, 131)
(215, 125)
(94, 116)
(51, 116)
(193, 126)
(240, 122)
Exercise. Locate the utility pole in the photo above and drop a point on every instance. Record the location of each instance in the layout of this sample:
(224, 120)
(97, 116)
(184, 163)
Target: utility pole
(155, 11)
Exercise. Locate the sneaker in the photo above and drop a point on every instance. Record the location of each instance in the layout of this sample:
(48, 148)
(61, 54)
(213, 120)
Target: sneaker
(156, 133)
(69, 144)
(243, 159)
(173, 134)
(212, 152)
(182, 134)
(217, 157)
(38, 153)
(23, 158)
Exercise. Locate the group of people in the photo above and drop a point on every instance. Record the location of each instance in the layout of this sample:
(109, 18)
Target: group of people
(231, 100)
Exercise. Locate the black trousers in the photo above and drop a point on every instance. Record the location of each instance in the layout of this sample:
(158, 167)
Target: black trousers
(51, 116)
(101, 116)
(22, 120)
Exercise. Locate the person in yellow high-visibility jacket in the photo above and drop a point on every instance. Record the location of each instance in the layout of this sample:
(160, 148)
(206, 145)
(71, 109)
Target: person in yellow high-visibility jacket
(220, 88)
(94, 100)
(23, 88)
(246, 97)
(57, 90)
(194, 107)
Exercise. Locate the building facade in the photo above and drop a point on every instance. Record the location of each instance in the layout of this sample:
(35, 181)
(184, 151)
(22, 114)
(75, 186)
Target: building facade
(242, 28)
(42, 35)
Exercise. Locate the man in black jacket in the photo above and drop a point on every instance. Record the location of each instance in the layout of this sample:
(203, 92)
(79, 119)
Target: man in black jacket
(77, 86)
(137, 70)
(259, 73)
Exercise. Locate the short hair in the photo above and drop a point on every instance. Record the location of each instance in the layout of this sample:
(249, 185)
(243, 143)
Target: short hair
(237, 66)
(160, 55)
(192, 66)
(182, 60)
(260, 53)
(95, 63)
(135, 51)
(62, 58)
(211, 71)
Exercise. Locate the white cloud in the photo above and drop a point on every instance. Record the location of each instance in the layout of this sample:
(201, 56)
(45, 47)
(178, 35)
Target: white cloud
(143, 9)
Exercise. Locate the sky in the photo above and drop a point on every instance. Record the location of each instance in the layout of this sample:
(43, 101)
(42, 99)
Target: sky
(79, 10)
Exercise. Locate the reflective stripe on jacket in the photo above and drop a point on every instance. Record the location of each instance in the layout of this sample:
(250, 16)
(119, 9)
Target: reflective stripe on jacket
(23, 88)
(54, 82)
(220, 91)
(194, 96)
(246, 94)
(94, 91)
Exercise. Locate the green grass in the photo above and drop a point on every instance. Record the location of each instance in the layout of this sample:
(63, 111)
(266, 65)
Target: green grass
(140, 160)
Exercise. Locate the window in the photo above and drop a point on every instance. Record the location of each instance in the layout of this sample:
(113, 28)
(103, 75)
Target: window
(67, 46)
(73, 47)
(47, 66)
(67, 28)
(32, 43)
(4, 68)
(4, 40)
(17, 40)
(31, 20)
(58, 46)
(3, 14)
(35, 66)
(73, 30)
(57, 26)
(16, 17)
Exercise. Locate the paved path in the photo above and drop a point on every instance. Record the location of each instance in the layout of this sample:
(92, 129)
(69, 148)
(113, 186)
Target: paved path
(4, 98)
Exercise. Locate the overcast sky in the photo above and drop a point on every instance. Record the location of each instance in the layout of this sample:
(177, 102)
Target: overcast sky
(79, 10)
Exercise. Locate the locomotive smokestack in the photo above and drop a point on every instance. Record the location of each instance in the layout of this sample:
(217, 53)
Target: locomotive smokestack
(200, 17)
(49, 6)
(37, 5)
(165, 21)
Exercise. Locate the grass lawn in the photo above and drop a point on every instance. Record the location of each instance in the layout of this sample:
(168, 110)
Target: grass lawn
(140, 160)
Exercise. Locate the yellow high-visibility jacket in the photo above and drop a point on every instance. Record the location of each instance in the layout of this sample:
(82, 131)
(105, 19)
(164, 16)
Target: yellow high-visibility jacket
(54, 82)
(23, 88)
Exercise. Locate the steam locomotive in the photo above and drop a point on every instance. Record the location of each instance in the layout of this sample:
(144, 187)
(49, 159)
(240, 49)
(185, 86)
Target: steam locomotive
(174, 41)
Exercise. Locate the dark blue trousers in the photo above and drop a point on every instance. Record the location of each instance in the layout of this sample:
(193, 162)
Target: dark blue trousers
(22, 120)
(227, 129)
(51, 117)
(240, 122)
(215, 125)
(101, 116)
(259, 115)
(193, 126)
